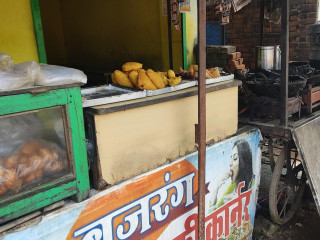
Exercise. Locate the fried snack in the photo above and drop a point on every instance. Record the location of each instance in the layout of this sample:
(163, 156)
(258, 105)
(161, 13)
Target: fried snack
(215, 72)
(191, 70)
(196, 74)
(163, 75)
(53, 167)
(11, 162)
(171, 74)
(2, 175)
(155, 78)
(12, 182)
(113, 79)
(3, 189)
(195, 68)
(174, 81)
(56, 166)
(36, 162)
(24, 170)
(133, 77)
(181, 70)
(22, 158)
(131, 66)
(122, 79)
(46, 155)
(208, 74)
(30, 147)
(29, 179)
(38, 174)
(144, 82)
(55, 155)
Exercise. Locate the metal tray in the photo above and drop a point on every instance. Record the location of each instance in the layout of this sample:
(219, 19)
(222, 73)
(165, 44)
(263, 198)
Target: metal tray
(108, 94)
(184, 84)
(219, 79)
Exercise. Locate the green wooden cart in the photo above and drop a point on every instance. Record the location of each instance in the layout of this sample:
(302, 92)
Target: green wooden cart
(66, 100)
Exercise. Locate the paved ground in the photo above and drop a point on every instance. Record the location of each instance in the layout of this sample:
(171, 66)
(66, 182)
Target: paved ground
(304, 226)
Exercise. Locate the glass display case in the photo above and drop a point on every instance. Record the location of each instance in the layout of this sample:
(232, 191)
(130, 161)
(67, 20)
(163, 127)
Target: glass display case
(42, 150)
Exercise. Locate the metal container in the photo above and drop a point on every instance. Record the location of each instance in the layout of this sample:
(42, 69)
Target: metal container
(264, 57)
(277, 58)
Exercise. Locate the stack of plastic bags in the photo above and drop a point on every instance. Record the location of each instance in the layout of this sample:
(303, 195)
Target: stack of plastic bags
(29, 74)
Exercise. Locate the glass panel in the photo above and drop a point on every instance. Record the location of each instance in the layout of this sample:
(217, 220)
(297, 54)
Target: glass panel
(32, 149)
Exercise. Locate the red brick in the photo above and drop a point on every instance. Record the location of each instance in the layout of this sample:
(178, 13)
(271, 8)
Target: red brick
(307, 21)
(234, 63)
(294, 23)
(303, 15)
(242, 66)
(293, 18)
(312, 15)
(308, 8)
(293, 28)
(232, 56)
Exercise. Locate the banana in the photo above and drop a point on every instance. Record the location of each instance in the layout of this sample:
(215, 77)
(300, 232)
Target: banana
(131, 66)
(133, 76)
(122, 79)
(171, 74)
(144, 82)
(155, 78)
(164, 78)
(174, 81)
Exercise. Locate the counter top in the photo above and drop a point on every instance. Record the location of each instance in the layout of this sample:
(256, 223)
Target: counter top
(188, 92)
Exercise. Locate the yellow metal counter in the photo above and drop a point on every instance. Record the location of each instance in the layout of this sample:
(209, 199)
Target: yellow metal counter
(136, 136)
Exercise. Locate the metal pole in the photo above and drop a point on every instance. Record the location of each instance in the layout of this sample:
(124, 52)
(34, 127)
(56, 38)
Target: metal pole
(261, 22)
(202, 115)
(284, 61)
(169, 33)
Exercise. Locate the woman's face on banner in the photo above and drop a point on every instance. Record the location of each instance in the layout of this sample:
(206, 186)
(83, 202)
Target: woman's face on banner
(234, 165)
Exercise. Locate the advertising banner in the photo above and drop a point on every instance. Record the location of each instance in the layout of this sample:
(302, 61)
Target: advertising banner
(163, 204)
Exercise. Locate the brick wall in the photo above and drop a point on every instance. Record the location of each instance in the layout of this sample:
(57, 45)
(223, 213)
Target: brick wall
(243, 30)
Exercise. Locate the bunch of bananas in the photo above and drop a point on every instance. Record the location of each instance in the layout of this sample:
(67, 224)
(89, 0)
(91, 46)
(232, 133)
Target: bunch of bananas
(132, 75)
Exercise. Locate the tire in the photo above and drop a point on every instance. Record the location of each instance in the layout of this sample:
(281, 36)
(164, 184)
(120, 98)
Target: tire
(287, 186)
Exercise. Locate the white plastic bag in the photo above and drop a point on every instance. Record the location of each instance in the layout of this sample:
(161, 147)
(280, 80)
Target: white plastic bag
(10, 80)
(57, 75)
(6, 62)
(32, 69)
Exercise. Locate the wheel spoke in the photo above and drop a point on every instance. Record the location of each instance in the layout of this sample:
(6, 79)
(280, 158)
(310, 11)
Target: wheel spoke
(279, 193)
(285, 205)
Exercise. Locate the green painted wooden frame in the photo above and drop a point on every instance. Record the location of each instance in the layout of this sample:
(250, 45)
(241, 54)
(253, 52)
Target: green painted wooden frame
(74, 184)
(37, 23)
(184, 41)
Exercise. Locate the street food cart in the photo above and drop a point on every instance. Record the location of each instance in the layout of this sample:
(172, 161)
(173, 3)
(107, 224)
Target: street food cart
(192, 180)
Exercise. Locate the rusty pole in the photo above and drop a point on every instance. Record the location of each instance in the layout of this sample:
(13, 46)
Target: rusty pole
(284, 61)
(202, 116)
